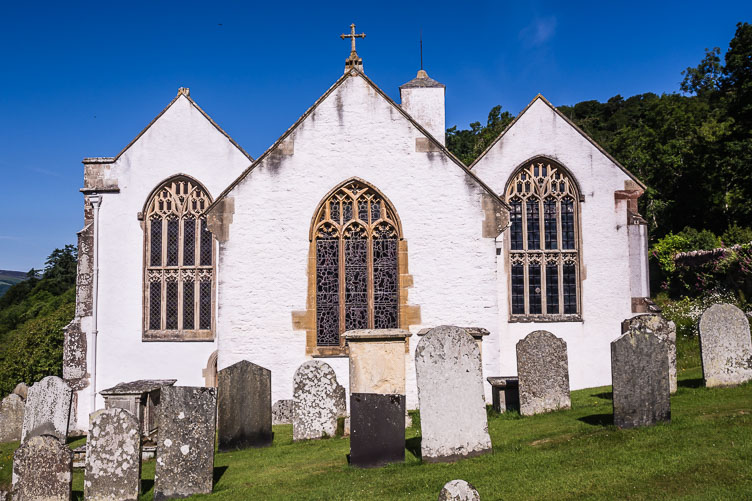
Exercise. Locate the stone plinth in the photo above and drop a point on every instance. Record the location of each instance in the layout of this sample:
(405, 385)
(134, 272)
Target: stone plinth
(318, 401)
(11, 418)
(725, 346)
(450, 395)
(185, 444)
(478, 334)
(505, 392)
(666, 332)
(245, 406)
(47, 409)
(458, 490)
(42, 470)
(543, 372)
(282, 411)
(113, 456)
(640, 375)
(377, 360)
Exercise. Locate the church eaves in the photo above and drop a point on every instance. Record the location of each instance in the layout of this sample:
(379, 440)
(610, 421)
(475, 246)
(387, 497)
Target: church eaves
(571, 124)
(353, 72)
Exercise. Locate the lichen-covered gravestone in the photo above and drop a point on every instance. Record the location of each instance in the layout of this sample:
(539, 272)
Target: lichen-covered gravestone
(47, 409)
(666, 332)
(318, 401)
(452, 405)
(543, 372)
(282, 411)
(113, 456)
(640, 375)
(11, 418)
(725, 346)
(42, 470)
(244, 402)
(185, 442)
(458, 490)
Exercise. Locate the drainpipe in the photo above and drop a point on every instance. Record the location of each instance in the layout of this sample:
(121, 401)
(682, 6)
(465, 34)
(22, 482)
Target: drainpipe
(95, 201)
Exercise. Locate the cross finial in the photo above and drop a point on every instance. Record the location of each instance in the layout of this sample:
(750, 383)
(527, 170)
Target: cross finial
(352, 36)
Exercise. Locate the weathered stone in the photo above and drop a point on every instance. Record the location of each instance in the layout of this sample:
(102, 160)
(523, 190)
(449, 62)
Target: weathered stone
(11, 418)
(725, 346)
(185, 444)
(377, 433)
(450, 395)
(244, 402)
(282, 411)
(47, 409)
(42, 470)
(505, 393)
(377, 360)
(113, 456)
(458, 490)
(666, 332)
(21, 390)
(543, 373)
(640, 375)
(318, 401)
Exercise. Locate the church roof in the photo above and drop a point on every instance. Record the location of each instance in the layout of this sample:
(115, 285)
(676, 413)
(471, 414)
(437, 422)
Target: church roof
(351, 73)
(572, 124)
(422, 81)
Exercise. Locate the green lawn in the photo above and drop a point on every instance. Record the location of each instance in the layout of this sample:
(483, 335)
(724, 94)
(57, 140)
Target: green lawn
(704, 453)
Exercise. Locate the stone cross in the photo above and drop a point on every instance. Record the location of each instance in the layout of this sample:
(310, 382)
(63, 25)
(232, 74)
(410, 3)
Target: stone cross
(352, 36)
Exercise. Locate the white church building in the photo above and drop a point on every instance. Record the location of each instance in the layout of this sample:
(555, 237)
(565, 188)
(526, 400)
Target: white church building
(194, 256)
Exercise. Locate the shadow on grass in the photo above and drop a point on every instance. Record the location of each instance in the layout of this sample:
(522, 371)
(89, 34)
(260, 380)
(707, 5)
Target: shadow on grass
(598, 419)
(413, 445)
(606, 395)
(146, 485)
(691, 383)
(218, 472)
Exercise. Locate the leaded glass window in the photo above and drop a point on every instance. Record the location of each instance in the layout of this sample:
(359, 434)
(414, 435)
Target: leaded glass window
(543, 242)
(179, 274)
(357, 277)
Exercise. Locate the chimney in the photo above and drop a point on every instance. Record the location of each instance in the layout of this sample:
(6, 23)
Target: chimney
(423, 98)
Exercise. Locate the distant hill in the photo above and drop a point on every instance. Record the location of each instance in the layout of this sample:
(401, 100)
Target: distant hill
(9, 278)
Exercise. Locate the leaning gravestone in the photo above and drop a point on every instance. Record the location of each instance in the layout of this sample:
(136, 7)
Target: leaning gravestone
(452, 405)
(11, 418)
(458, 490)
(244, 403)
(318, 401)
(113, 456)
(282, 411)
(666, 332)
(185, 443)
(640, 376)
(725, 346)
(47, 409)
(543, 372)
(42, 470)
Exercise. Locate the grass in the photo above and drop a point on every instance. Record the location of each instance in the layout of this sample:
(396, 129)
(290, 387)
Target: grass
(704, 453)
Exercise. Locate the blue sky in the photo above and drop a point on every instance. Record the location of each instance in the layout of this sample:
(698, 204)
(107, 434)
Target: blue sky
(82, 79)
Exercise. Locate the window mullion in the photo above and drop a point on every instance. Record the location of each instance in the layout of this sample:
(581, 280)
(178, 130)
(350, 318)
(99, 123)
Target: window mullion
(369, 284)
(341, 286)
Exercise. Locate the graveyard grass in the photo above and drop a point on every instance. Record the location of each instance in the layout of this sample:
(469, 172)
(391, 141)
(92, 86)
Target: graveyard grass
(704, 453)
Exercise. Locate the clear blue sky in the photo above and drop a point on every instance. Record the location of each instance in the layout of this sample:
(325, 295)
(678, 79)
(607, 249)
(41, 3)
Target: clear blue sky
(82, 79)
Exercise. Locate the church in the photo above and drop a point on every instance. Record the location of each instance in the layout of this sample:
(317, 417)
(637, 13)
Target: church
(194, 256)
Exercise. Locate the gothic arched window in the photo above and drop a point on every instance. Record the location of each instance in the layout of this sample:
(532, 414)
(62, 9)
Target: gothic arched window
(179, 263)
(356, 237)
(544, 245)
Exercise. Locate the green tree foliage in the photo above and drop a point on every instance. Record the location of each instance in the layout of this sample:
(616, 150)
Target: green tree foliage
(467, 145)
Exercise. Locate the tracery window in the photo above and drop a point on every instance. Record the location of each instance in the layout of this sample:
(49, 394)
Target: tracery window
(179, 262)
(356, 237)
(544, 251)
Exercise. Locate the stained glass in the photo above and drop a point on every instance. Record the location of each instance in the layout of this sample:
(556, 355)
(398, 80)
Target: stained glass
(363, 210)
(155, 305)
(171, 306)
(173, 241)
(156, 242)
(549, 223)
(385, 283)
(567, 223)
(570, 288)
(189, 241)
(533, 224)
(327, 292)
(552, 289)
(534, 288)
(334, 211)
(375, 211)
(205, 304)
(206, 244)
(356, 283)
(347, 211)
(188, 305)
(518, 289)
(515, 232)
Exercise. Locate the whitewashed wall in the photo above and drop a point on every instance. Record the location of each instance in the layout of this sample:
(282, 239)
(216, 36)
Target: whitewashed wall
(181, 141)
(606, 297)
(263, 273)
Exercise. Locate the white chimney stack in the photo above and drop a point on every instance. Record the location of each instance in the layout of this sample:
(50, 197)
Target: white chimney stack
(423, 98)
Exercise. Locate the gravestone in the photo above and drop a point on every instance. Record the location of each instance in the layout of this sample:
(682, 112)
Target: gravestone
(318, 401)
(282, 411)
(452, 405)
(47, 409)
(640, 376)
(113, 456)
(42, 470)
(458, 490)
(21, 390)
(543, 372)
(11, 418)
(185, 443)
(725, 346)
(666, 332)
(244, 401)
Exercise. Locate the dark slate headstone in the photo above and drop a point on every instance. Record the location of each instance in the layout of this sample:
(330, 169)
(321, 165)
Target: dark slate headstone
(543, 372)
(185, 443)
(244, 401)
(113, 456)
(725, 345)
(282, 411)
(47, 410)
(42, 470)
(377, 429)
(640, 375)
(11, 418)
